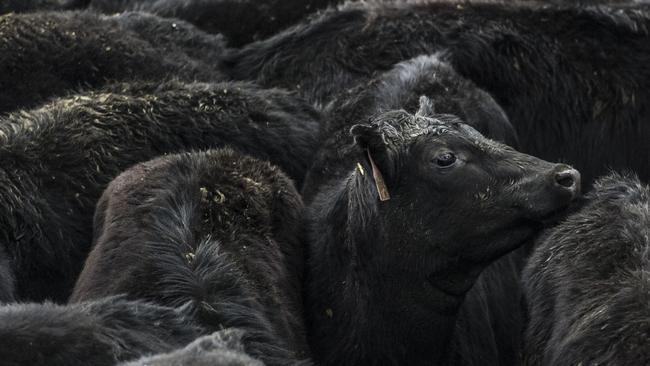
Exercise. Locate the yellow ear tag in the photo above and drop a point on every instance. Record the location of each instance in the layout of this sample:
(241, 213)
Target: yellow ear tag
(360, 169)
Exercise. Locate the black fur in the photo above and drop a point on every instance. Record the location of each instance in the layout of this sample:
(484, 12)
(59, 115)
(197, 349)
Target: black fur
(224, 348)
(217, 229)
(241, 21)
(431, 76)
(195, 52)
(244, 20)
(43, 55)
(491, 321)
(573, 81)
(21, 6)
(587, 282)
(614, 3)
(387, 279)
(57, 160)
(95, 333)
(6, 278)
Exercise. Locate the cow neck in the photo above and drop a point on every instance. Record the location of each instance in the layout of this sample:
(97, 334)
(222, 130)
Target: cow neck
(360, 314)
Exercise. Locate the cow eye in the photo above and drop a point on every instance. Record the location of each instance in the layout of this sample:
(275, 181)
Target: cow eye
(445, 160)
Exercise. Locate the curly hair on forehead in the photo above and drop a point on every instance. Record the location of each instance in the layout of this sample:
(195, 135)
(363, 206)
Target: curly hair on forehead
(400, 126)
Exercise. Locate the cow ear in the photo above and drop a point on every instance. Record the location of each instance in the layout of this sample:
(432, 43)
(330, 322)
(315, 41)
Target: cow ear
(368, 137)
(427, 108)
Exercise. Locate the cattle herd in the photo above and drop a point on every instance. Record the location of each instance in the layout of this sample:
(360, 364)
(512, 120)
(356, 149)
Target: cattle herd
(324, 182)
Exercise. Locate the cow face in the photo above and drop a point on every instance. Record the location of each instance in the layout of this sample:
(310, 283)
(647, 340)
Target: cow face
(450, 196)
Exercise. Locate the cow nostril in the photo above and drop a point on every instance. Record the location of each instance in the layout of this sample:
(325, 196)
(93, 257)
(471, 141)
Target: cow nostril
(567, 178)
(566, 181)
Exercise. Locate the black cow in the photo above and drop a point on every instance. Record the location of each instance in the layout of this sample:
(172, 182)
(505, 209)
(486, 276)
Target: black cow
(43, 55)
(224, 348)
(491, 319)
(587, 282)
(56, 160)
(421, 205)
(573, 81)
(96, 333)
(219, 230)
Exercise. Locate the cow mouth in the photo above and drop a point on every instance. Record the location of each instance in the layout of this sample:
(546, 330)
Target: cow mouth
(558, 215)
